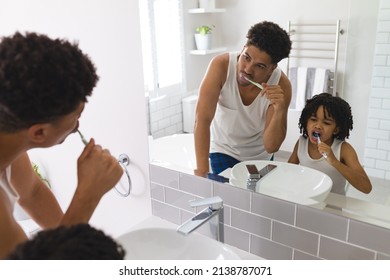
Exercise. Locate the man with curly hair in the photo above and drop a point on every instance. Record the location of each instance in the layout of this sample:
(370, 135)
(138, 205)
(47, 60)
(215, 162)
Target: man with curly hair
(44, 85)
(237, 120)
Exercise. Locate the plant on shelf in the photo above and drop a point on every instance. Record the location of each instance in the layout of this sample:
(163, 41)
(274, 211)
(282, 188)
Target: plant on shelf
(204, 29)
(35, 167)
(19, 213)
(203, 37)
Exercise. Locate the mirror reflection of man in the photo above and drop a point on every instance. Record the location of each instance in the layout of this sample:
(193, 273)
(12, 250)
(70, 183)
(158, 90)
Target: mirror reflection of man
(235, 119)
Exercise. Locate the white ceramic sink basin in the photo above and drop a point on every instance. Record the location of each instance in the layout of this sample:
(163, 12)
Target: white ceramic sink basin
(287, 181)
(168, 244)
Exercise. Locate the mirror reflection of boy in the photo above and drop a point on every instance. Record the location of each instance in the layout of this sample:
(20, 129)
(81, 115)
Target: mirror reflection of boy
(325, 123)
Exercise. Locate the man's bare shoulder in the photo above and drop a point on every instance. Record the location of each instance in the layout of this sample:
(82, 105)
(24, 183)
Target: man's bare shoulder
(219, 65)
(221, 58)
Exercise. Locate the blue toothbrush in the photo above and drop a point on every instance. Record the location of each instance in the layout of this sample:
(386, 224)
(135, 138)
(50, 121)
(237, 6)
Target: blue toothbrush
(316, 135)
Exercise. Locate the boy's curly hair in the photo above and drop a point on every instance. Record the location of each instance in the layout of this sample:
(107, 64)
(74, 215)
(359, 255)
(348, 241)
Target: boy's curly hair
(76, 242)
(41, 79)
(333, 106)
(271, 38)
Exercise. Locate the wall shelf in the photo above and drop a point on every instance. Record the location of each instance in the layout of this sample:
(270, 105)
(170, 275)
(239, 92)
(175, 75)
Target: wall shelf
(204, 11)
(205, 52)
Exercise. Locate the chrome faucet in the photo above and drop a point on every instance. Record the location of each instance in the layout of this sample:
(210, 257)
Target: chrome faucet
(214, 209)
(254, 175)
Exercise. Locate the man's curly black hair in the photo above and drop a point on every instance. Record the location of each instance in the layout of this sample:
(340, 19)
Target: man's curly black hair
(41, 79)
(76, 242)
(333, 106)
(271, 38)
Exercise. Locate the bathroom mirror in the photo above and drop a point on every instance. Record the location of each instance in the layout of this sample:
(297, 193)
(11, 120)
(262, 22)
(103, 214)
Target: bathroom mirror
(356, 57)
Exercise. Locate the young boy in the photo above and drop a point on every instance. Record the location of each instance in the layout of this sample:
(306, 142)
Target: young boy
(75, 242)
(325, 123)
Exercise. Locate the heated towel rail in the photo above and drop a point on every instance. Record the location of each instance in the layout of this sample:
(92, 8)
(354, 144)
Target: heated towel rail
(315, 45)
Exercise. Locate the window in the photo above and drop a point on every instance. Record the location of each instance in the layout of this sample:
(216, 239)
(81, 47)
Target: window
(162, 46)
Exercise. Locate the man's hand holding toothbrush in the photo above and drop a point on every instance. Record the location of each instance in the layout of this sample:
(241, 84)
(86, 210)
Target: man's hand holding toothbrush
(97, 173)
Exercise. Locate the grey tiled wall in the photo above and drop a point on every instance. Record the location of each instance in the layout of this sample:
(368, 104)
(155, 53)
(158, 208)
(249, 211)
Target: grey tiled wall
(266, 226)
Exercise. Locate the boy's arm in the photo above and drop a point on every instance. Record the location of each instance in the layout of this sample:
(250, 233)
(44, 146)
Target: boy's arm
(350, 167)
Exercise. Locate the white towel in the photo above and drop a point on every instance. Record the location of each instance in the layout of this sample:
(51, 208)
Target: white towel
(298, 79)
(292, 75)
(307, 82)
(321, 81)
(301, 88)
(310, 77)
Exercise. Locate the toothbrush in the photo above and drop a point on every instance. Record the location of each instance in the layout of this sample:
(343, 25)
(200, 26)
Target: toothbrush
(316, 135)
(85, 142)
(254, 83)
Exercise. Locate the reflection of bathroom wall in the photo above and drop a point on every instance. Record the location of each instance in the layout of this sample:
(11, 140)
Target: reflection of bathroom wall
(166, 114)
(377, 152)
(268, 227)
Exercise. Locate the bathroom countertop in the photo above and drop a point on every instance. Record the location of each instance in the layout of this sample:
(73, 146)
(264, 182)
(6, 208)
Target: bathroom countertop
(154, 221)
(351, 207)
(362, 210)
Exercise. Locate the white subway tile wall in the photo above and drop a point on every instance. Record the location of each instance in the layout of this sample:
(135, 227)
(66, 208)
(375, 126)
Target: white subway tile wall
(377, 152)
(266, 226)
(165, 114)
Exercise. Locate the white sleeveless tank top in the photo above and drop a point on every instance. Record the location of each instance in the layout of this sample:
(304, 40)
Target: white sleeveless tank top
(5, 184)
(339, 181)
(237, 130)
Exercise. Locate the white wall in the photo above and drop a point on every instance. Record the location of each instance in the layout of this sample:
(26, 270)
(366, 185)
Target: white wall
(359, 61)
(109, 32)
